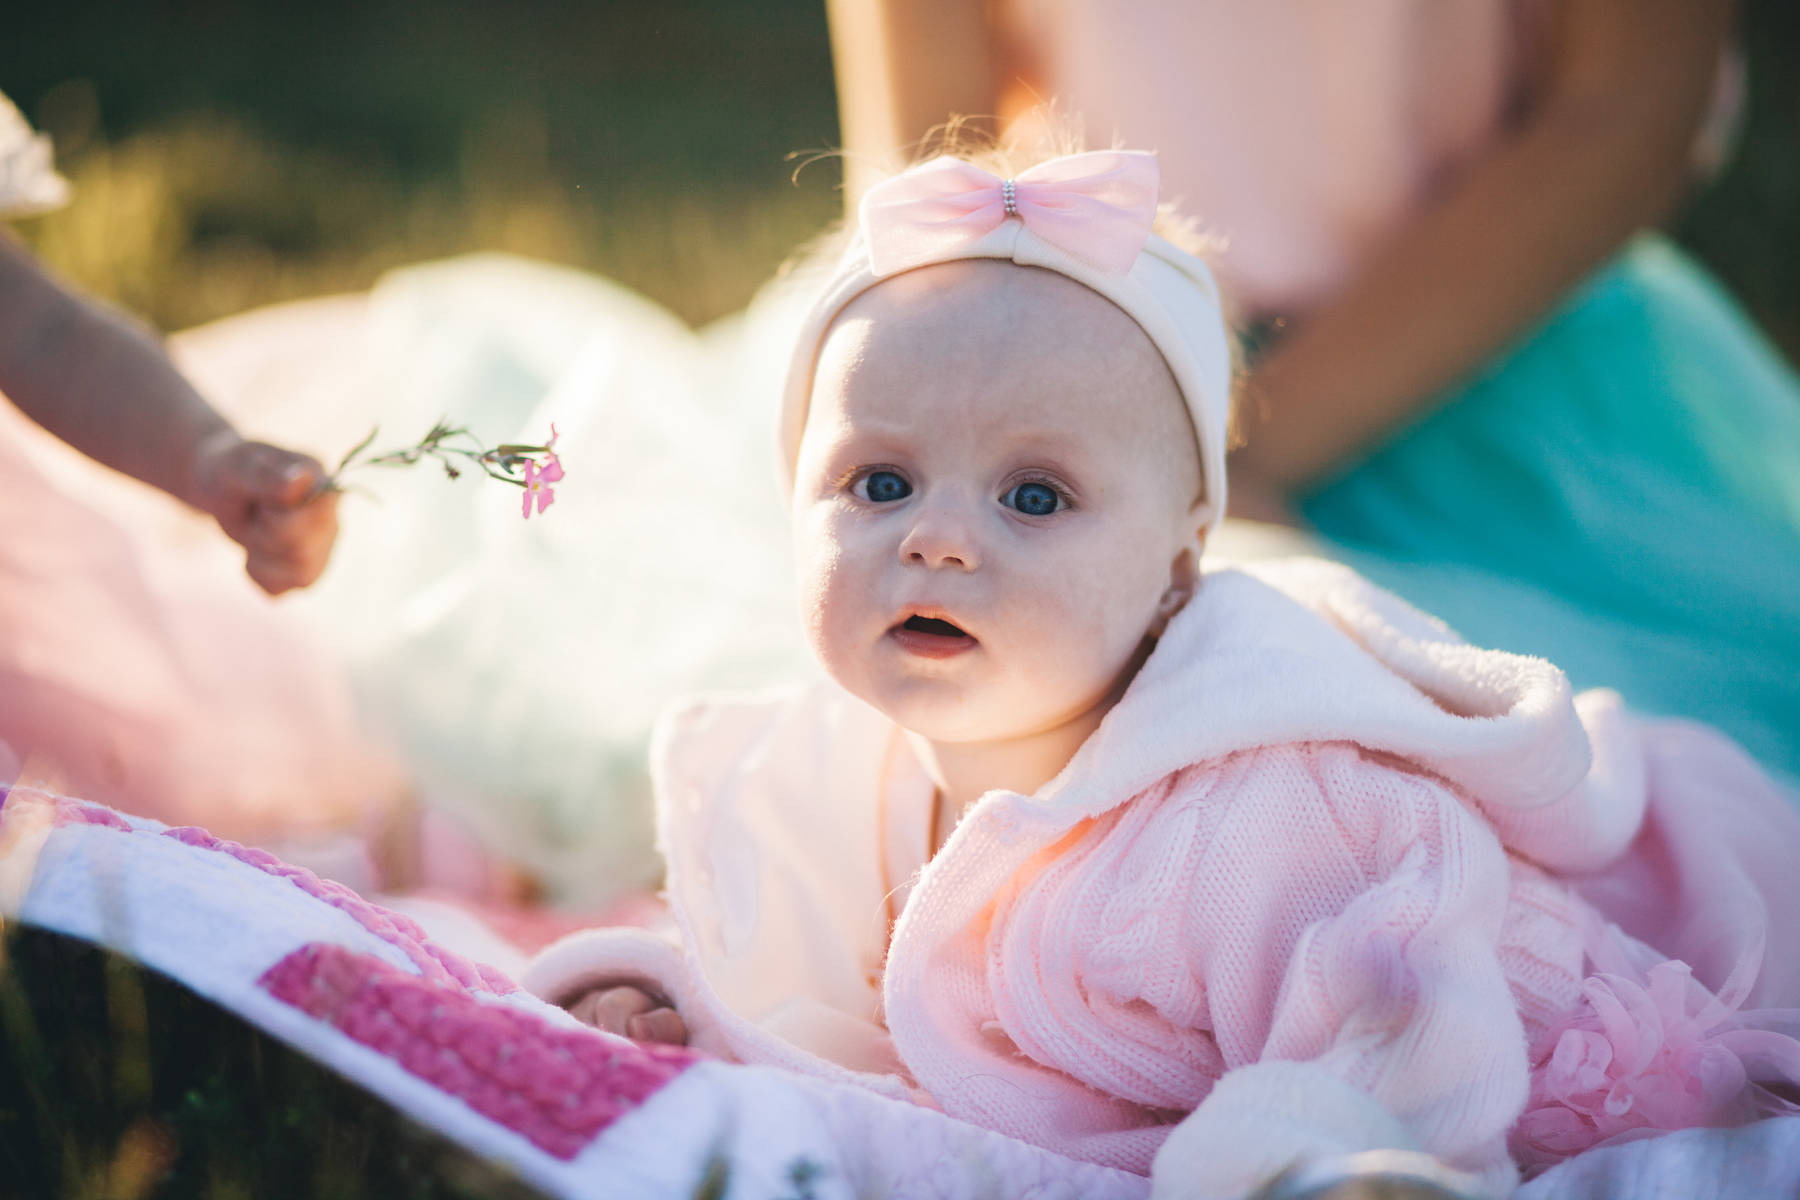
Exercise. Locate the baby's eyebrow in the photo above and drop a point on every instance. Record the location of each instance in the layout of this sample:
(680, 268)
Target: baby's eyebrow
(873, 429)
(1047, 436)
(861, 433)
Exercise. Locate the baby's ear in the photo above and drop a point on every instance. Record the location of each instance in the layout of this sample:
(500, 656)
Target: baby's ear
(1184, 577)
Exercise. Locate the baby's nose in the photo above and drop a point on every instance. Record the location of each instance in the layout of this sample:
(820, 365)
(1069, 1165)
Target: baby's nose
(940, 539)
(935, 556)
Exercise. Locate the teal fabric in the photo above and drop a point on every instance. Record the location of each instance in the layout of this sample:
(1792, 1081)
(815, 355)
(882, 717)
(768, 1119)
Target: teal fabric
(1620, 493)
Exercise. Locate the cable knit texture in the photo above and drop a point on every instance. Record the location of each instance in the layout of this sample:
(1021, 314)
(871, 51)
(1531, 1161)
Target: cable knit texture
(1307, 890)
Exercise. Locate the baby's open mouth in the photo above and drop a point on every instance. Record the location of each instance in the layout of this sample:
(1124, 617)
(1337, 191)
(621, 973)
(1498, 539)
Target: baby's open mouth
(933, 626)
(932, 637)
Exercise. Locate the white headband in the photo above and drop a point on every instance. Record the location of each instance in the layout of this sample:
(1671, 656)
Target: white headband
(1167, 291)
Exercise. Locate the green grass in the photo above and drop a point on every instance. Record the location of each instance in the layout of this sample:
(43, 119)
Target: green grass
(230, 155)
(118, 1083)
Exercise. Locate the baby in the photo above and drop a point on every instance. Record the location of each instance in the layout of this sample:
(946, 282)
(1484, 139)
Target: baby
(1201, 876)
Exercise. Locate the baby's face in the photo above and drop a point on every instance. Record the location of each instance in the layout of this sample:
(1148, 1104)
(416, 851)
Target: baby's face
(992, 500)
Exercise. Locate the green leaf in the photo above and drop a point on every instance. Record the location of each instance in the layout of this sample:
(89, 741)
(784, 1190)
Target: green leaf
(356, 450)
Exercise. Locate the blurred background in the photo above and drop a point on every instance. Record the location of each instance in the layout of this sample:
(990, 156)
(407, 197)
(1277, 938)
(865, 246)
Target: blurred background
(227, 155)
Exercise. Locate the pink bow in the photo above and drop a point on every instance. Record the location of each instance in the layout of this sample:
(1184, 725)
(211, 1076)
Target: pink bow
(1096, 206)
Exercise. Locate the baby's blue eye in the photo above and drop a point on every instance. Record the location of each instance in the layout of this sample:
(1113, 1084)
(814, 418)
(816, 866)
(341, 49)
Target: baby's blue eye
(1033, 499)
(882, 487)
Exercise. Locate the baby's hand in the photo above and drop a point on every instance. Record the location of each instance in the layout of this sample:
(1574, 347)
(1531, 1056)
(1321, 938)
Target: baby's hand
(269, 501)
(630, 1012)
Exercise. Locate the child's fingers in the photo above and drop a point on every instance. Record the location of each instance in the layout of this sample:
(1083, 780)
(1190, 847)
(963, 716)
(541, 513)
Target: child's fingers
(294, 480)
(585, 1008)
(272, 476)
(611, 1009)
(289, 548)
(658, 1025)
(291, 531)
(275, 576)
(279, 573)
(282, 559)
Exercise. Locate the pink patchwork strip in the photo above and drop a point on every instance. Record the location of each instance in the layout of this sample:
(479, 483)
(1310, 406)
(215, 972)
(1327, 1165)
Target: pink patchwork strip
(558, 1088)
(398, 930)
(66, 811)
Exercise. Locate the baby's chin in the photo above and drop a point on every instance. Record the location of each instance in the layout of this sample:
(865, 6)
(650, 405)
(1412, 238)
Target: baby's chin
(954, 718)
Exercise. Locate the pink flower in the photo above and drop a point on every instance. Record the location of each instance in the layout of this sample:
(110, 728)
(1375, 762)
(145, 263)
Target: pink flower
(552, 469)
(1645, 1055)
(537, 484)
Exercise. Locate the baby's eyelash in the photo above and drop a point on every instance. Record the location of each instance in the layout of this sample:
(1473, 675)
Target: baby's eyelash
(1062, 493)
(849, 478)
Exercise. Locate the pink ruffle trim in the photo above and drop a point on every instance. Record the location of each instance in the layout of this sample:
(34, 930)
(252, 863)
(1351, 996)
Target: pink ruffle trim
(1652, 1050)
(558, 1088)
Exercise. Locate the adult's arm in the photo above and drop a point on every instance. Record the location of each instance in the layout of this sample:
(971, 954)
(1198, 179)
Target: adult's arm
(1604, 153)
(903, 68)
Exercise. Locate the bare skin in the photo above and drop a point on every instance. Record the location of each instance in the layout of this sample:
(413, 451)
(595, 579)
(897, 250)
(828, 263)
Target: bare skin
(102, 383)
(630, 1012)
(1602, 153)
(948, 401)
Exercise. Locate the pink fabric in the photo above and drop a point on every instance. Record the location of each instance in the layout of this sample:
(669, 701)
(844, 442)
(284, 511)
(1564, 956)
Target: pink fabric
(66, 811)
(140, 668)
(1305, 903)
(1652, 1050)
(529, 927)
(1302, 131)
(556, 1087)
(1316, 904)
(1710, 876)
(1657, 1043)
(403, 933)
(1097, 206)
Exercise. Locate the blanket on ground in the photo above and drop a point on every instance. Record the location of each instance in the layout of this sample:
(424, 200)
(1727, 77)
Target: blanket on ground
(458, 1046)
(461, 1048)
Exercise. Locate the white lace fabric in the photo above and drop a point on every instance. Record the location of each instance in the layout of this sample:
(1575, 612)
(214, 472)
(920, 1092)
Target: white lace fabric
(29, 184)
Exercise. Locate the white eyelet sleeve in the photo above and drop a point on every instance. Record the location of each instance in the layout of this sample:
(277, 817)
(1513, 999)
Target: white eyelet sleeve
(29, 184)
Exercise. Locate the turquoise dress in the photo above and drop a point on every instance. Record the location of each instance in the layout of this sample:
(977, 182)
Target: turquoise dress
(1619, 493)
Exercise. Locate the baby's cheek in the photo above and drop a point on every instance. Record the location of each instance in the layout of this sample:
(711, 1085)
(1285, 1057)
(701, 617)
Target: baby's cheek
(817, 548)
(1107, 606)
(828, 593)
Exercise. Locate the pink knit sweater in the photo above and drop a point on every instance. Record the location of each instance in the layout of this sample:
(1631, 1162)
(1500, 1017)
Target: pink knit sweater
(1305, 891)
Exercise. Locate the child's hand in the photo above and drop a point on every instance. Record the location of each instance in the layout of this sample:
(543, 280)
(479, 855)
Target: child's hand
(630, 1012)
(269, 501)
